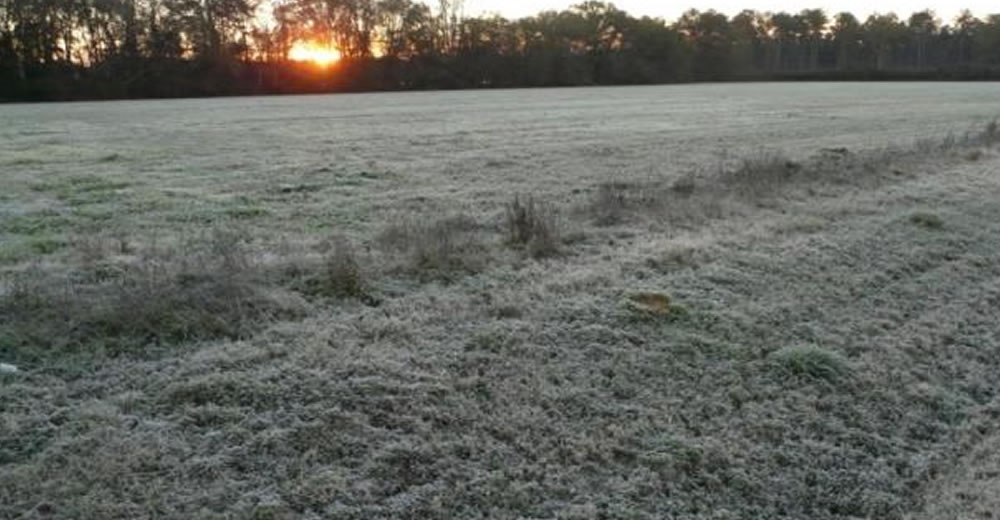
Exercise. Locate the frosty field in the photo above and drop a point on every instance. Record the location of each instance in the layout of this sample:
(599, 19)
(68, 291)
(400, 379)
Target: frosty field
(733, 301)
(374, 153)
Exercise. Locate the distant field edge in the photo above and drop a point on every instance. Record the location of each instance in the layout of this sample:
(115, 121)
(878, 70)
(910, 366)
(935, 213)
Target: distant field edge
(85, 85)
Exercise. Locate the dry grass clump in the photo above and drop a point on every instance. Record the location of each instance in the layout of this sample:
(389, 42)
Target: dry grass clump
(653, 305)
(437, 247)
(927, 220)
(685, 185)
(936, 145)
(680, 202)
(987, 136)
(761, 172)
(950, 143)
(766, 172)
(337, 273)
(614, 200)
(507, 311)
(609, 204)
(208, 287)
(992, 131)
(342, 271)
(533, 225)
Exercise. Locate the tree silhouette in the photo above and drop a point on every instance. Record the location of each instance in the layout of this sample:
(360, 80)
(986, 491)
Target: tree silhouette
(848, 38)
(923, 26)
(68, 49)
(815, 22)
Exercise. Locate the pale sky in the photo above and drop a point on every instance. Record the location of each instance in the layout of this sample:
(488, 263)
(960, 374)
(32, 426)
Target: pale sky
(671, 9)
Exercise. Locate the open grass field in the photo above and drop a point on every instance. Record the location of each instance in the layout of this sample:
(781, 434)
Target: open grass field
(703, 301)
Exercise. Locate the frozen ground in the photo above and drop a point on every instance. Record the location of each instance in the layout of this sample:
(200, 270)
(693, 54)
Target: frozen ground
(837, 356)
(376, 152)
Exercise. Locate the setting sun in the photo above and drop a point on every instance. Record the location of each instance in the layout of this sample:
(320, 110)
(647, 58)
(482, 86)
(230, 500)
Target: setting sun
(313, 52)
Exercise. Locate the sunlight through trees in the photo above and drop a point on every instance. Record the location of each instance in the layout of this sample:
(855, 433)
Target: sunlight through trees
(132, 48)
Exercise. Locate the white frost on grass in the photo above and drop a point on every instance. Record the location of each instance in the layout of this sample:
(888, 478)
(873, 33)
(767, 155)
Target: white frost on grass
(520, 391)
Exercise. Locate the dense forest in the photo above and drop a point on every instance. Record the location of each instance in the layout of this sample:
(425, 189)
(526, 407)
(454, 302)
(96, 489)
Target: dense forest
(74, 49)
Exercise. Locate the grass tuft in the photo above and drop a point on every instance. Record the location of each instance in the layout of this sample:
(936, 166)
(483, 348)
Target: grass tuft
(974, 155)
(992, 131)
(609, 204)
(761, 172)
(533, 225)
(438, 248)
(343, 272)
(613, 200)
(927, 220)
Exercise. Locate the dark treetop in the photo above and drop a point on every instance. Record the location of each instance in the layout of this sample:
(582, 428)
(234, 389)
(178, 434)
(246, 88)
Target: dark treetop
(87, 49)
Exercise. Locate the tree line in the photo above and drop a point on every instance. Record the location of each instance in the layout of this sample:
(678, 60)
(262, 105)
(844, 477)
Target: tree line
(73, 49)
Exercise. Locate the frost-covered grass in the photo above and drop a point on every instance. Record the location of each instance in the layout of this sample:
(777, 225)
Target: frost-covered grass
(698, 348)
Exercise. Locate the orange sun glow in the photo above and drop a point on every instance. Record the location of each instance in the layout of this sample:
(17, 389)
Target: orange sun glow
(313, 52)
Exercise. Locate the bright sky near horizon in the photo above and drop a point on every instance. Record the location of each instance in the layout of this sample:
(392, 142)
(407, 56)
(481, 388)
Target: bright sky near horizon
(670, 10)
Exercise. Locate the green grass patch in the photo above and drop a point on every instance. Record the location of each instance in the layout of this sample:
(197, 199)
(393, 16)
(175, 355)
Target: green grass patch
(25, 161)
(92, 214)
(35, 223)
(12, 252)
(46, 245)
(200, 216)
(92, 184)
(247, 212)
(86, 189)
(810, 362)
